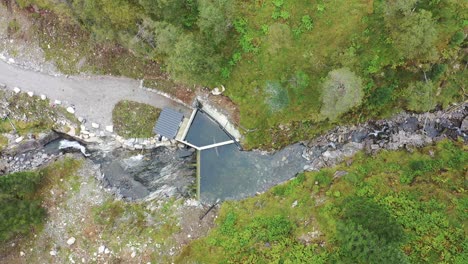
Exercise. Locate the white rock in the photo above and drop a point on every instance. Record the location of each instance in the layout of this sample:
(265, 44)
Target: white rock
(94, 125)
(133, 254)
(71, 241)
(57, 102)
(18, 140)
(16, 90)
(31, 94)
(53, 253)
(106, 251)
(110, 129)
(11, 60)
(294, 204)
(43, 97)
(80, 119)
(2, 57)
(101, 249)
(70, 110)
(138, 146)
(22, 253)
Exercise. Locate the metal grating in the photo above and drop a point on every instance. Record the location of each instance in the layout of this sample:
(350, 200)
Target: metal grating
(168, 123)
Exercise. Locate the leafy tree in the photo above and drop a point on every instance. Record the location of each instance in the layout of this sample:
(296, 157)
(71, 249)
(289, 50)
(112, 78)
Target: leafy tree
(214, 19)
(413, 32)
(342, 90)
(420, 96)
(189, 61)
(165, 37)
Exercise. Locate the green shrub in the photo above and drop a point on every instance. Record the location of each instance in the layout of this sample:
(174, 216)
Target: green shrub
(420, 96)
(323, 177)
(437, 71)
(457, 38)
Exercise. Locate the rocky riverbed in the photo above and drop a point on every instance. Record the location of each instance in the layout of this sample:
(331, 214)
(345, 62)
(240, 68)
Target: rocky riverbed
(404, 131)
(168, 171)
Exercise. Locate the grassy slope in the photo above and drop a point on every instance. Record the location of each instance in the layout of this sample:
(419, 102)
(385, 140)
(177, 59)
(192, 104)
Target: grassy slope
(134, 120)
(424, 191)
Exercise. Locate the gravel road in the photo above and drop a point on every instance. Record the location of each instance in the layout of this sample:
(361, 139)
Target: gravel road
(94, 97)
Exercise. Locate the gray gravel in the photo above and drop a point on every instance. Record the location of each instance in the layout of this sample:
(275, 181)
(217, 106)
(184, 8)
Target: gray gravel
(93, 97)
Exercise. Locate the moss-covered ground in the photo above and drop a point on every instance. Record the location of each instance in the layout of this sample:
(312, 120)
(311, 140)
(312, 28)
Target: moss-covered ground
(134, 120)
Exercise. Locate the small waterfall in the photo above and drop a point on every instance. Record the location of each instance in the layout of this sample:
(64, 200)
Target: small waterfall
(64, 144)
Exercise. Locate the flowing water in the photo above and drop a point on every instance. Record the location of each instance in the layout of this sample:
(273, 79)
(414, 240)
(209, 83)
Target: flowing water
(137, 174)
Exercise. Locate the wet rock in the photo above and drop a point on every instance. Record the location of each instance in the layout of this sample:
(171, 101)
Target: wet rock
(184, 153)
(431, 129)
(410, 124)
(358, 136)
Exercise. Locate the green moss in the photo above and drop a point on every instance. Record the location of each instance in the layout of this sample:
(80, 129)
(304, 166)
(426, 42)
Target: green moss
(134, 120)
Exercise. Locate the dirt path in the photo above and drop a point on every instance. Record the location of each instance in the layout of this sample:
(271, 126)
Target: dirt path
(94, 97)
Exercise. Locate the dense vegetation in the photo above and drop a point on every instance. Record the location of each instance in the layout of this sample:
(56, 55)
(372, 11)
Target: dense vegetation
(134, 120)
(21, 195)
(286, 62)
(396, 207)
(19, 210)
